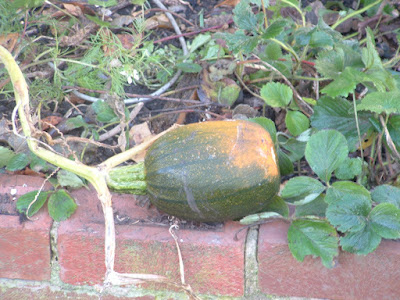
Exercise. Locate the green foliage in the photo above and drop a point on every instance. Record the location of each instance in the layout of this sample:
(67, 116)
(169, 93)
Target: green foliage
(302, 190)
(276, 94)
(313, 237)
(5, 156)
(296, 122)
(17, 162)
(325, 151)
(61, 205)
(27, 201)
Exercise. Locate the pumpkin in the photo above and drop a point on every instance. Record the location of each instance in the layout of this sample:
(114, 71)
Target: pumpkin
(210, 171)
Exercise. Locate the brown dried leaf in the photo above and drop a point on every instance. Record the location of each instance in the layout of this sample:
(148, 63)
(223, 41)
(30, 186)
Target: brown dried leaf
(232, 3)
(138, 134)
(9, 41)
(50, 120)
(73, 9)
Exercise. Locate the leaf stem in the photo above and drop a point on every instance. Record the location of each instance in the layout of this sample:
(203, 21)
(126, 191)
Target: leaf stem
(354, 13)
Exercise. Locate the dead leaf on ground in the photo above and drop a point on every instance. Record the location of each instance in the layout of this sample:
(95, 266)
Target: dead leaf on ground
(78, 36)
(50, 120)
(231, 3)
(9, 41)
(138, 134)
(158, 21)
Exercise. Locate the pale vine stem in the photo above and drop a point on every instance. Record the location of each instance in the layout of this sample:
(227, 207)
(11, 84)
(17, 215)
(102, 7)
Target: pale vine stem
(95, 175)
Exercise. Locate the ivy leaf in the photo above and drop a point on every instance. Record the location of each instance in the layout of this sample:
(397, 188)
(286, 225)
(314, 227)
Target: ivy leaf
(386, 194)
(17, 162)
(274, 29)
(244, 17)
(349, 168)
(379, 102)
(338, 114)
(25, 200)
(302, 190)
(296, 122)
(276, 94)
(349, 206)
(69, 179)
(315, 208)
(325, 151)
(5, 156)
(361, 242)
(385, 220)
(61, 205)
(313, 237)
(344, 84)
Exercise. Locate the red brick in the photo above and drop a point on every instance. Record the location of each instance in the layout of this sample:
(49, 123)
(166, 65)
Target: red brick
(214, 261)
(375, 276)
(24, 247)
(39, 293)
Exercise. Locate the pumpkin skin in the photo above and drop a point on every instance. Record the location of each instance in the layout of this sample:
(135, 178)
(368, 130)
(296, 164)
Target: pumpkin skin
(212, 171)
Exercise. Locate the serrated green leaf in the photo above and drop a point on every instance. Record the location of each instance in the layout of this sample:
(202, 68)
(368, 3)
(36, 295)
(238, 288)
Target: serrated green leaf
(17, 162)
(244, 17)
(276, 94)
(379, 102)
(385, 220)
(361, 242)
(199, 41)
(320, 39)
(325, 151)
(239, 41)
(332, 63)
(5, 156)
(315, 208)
(301, 190)
(25, 200)
(380, 79)
(285, 164)
(61, 205)
(393, 126)
(272, 51)
(278, 205)
(274, 29)
(267, 124)
(386, 194)
(349, 168)
(37, 164)
(189, 67)
(313, 237)
(69, 179)
(349, 206)
(344, 84)
(296, 122)
(370, 56)
(338, 114)
(259, 217)
(294, 148)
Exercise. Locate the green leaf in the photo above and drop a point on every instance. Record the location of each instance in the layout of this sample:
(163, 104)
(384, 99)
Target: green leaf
(274, 29)
(259, 217)
(25, 200)
(361, 242)
(75, 122)
(302, 190)
(325, 151)
(276, 94)
(320, 39)
(338, 114)
(272, 51)
(267, 124)
(69, 179)
(349, 168)
(349, 206)
(317, 207)
(385, 220)
(199, 41)
(244, 17)
(104, 112)
(313, 237)
(293, 147)
(239, 41)
(5, 156)
(61, 205)
(285, 164)
(332, 63)
(103, 3)
(296, 122)
(278, 205)
(379, 102)
(386, 194)
(393, 126)
(189, 67)
(17, 162)
(370, 56)
(344, 84)
(38, 164)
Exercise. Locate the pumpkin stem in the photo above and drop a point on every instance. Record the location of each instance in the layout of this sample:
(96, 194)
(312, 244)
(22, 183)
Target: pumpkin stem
(128, 179)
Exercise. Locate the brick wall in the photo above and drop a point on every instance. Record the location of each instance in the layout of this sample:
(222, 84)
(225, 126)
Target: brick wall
(40, 259)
